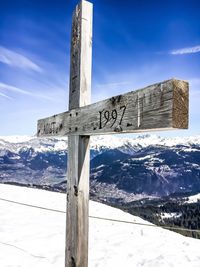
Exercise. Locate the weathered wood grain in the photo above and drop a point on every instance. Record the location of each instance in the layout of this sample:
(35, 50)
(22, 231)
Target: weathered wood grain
(77, 201)
(78, 146)
(180, 105)
(160, 106)
(81, 56)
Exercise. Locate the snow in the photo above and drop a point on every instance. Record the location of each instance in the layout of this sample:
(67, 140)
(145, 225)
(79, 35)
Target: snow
(16, 138)
(99, 142)
(32, 237)
(166, 215)
(193, 199)
(142, 158)
(109, 141)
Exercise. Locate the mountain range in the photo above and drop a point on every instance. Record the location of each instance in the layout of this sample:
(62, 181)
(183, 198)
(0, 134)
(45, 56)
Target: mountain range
(122, 169)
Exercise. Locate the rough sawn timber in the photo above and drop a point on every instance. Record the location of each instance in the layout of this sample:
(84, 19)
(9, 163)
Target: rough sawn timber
(76, 251)
(160, 106)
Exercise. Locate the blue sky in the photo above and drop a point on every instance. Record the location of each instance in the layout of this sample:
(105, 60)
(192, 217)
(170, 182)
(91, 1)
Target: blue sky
(135, 43)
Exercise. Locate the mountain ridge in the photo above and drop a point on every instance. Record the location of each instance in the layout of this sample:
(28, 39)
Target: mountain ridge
(146, 165)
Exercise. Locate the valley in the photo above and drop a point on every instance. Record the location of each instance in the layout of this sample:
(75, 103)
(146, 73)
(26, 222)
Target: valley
(149, 176)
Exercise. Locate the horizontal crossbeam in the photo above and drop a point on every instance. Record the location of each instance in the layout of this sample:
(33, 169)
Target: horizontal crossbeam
(159, 106)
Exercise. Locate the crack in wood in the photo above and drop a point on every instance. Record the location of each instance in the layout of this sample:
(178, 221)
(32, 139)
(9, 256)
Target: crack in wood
(75, 190)
(73, 262)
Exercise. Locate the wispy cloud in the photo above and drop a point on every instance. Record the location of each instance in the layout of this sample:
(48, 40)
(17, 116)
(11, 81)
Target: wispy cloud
(7, 87)
(14, 59)
(186, 50)
(6, 96)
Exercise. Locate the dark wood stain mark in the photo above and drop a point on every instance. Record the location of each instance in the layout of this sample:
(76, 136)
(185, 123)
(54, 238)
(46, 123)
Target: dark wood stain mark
(73, 262)
(118, 129)
(75, 190)
(115, 99)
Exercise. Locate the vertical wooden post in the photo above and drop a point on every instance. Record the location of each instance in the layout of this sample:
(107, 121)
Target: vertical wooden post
(76, 254)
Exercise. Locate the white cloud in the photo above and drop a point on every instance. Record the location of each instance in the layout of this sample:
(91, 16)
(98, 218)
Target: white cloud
(17, 90)
(14, 59)
(186, 50)
(6, 96)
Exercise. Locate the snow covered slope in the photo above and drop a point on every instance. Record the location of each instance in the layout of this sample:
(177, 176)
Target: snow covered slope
(31, 237)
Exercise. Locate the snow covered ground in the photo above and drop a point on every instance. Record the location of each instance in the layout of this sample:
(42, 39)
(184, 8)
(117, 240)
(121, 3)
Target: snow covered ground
(31, 237)
(193, 199)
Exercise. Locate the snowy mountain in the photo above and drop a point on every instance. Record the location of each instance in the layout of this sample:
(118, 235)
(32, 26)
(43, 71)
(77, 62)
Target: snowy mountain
(105, 141)
(34, 237)
(120, 167)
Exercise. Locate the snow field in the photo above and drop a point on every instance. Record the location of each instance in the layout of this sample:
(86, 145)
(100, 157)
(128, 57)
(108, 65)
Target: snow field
(32, 237)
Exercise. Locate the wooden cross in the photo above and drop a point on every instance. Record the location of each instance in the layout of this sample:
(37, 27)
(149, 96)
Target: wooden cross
(160, 106)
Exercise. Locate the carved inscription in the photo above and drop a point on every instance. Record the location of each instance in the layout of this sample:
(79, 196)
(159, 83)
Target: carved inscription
(52, 128)
(150, 108)
(111, 117)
